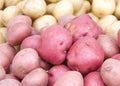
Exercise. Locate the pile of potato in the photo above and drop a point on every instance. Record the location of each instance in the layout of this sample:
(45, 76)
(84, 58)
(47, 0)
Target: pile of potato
(59, 42)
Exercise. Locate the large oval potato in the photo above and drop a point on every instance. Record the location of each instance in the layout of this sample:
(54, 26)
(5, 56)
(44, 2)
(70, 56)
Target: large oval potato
(70, 78)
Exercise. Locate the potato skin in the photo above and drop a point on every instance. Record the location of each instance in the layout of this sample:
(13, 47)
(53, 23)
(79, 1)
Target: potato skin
(70, 78)
(2, 72)
(55, 40)
(110, 72)
(93, 79)
(37, 77)
(85, 55)
(24, 61)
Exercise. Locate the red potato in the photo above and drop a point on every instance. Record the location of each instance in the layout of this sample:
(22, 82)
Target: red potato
(10, 76)
(70, 78)
(55, 73)
(110, 72)
(93, 79)
(37, 77)
(17, 33)
(117, 56)
(32, 41)
(10, 82)
(85, 55)
(2, 73)
(55, 41)
(119, 38)
(19, 19)
(24, 61)
(109, 45)
(83, 26)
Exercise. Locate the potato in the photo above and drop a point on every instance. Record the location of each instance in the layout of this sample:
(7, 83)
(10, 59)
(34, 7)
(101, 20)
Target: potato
(20, 4)
(10, 76)
(93, 79)
(83, 26)
(34, 8)
(1, 4)
(24, 61)
(19, 19)
(85, 55)
(10, 82)
(9, 13)
(2, 73)
(94, 17)
(11, 2)
(37, 77)
(117, 56)
(117, 10)
(31, 42)
(50, 8)
(1, 22)
(103, 7)
(85, 8)
(3, 31)
(44, 21)
(70, 78)
(55, 41)
(113, 29)
(110, 72)
(62, 8)
(109, 45)
(2, 40)
(55, 73)
(109, 19)
(17, 33)
(52, 0)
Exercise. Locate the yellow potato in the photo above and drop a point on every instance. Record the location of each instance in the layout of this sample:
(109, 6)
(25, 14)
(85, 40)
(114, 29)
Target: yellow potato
(117, 10)
(50, 8)
(113, 29)
(9, 13)
(1, 4)
(103, 7)
(44, 21)
(34, 8)
(62, 8)
(106, 21)
(11, 2)
(1, 24)
(94, 17)
(3, 30)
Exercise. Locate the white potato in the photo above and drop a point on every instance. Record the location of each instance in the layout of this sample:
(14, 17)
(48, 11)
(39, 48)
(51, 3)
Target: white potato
(103, 7)
(1, 4)
(1, 24)
(50, 8)
(86, 6)
(34, 8)
(9, 13)
(3, 30)
(62, 8)
(43, 22)
(117, 10)
(11, 2)
(52, 0)
(113, 29)
(94, 17)
(20, 5)
(106, 21)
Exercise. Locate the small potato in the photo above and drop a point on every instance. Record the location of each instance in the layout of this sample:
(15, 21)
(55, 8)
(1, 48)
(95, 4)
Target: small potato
(37, 77)
(70, 78)
(93, 79)
(109, 45)
(17, 33)
(34, 8)
(24, 61)
(2, 73)
(106, 21)
(9, 13)
(85, 55)
(3, 31)
(62, 8)
(103, 7)
(1, 4)
(19, 19)
(55, 73)
(50, 8)
(10, 82)
(11, 2)
(85, 8)
(113, 29)
(43, 22)
(117, 10)
(1, 22)
(110, 72)
(94, 17)
(55, 41)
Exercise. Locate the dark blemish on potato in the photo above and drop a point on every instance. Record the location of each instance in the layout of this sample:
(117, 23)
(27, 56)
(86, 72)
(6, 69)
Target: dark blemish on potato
(20, 69)
(61, 43)
(85, 34)
(49, 74)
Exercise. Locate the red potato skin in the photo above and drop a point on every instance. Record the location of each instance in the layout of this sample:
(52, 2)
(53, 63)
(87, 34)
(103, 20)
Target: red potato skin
(2, 72)
(31, 42)
(24, 61)
(117, 56)
(17, 33)
(70, 78)
(109, 45)
(110, 72)
(55, 41)
(19, 19)
(10, 76)
(10, 82)
(93, 79)
(37, 77)
(55, 72)
(83, 25)
(85, 55)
